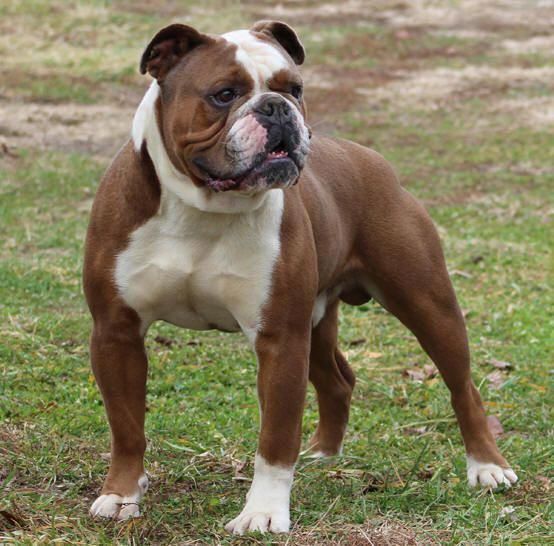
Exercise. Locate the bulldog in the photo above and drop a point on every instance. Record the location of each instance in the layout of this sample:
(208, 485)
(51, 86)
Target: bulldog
(224, 211)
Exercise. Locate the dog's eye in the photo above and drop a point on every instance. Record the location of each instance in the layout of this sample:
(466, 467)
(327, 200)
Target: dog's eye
(296, 91)
(224, 97)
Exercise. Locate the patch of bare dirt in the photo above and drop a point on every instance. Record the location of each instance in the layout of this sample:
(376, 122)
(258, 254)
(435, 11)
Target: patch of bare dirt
(321, 12)
(490, 16)
(461, 16)
(528, 111)
(17, 85)
(398, 78)
(168, 8)
(404, 47)
(536, 44)
(326, 100)
(98, 129)
(436, 88)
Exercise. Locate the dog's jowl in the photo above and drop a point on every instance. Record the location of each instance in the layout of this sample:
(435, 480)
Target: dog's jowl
(225, 211)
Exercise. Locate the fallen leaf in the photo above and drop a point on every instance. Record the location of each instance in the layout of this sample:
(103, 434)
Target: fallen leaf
(430, 371)
(545, 482)
(371, 488)
(414, 431)
(508, 512)
(415, 375)
(6, 148)
(373, 355)
(495, 426)
(374, 483)
(426, 473)
(238, 467)
(496, 380)
(12, 518)
(418, 374)
(165, 341)
(500, 364)
(461, 273)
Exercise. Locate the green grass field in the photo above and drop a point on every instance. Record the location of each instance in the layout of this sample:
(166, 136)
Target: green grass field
(462, 105)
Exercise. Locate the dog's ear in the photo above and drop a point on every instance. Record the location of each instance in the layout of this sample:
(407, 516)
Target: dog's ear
(168, 47)
(285, 36)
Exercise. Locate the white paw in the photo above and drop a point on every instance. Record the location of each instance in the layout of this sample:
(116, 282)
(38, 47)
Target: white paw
(267, 502)
(117, 507)
(251, 520)
(488, 475)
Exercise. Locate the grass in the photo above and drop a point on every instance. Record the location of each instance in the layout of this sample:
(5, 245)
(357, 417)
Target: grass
(485, 175)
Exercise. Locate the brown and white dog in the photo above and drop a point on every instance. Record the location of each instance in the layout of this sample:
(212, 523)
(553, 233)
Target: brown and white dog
(224, 212)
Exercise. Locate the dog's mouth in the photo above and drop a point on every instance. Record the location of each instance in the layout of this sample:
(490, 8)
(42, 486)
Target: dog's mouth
(272, 169)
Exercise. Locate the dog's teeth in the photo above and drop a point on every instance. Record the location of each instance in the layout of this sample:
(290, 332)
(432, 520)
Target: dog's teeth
(281, 153)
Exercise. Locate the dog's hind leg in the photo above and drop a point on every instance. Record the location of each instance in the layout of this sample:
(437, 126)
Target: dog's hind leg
(410, 280)
(334, 381)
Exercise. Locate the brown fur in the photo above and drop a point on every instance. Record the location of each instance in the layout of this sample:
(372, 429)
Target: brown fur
(348, 229)
(128, 195)
(386, 238)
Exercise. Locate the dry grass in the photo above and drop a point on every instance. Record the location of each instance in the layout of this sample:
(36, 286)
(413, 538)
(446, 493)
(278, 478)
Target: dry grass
(459, 97)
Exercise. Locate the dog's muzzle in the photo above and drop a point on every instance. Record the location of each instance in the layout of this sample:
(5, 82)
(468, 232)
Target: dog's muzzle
(266, 148)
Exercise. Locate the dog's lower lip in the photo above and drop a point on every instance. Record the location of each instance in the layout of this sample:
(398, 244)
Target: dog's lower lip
(225, 184)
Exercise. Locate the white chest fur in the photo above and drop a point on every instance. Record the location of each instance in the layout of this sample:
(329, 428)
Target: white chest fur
(202, 270)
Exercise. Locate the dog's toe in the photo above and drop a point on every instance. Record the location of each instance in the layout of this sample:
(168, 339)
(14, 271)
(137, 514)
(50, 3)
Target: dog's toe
(120, 507)
(280, 523)
(489, 475)
(115, 507)
(259, 521)
(510, 475)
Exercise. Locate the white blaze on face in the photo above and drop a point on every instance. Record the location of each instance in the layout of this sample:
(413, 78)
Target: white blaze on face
(259, 58)
(261, 61)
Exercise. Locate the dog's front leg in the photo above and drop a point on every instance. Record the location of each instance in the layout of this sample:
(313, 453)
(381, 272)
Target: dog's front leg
(282, 343)
(120, 367)
(282, 381)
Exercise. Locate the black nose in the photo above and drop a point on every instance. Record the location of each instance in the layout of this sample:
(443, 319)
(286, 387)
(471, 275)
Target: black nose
(274, 108)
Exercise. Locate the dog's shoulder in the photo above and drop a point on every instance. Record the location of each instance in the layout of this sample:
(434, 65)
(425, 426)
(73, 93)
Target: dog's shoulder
(128, 195)
(129, 192)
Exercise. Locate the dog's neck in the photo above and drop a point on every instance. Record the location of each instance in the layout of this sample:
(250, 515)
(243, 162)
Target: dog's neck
(146, 129)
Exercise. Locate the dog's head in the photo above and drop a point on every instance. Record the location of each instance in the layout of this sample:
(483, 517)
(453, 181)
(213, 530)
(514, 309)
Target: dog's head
(230, 110)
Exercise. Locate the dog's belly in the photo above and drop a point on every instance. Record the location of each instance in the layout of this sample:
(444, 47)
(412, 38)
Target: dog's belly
(201, 271)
